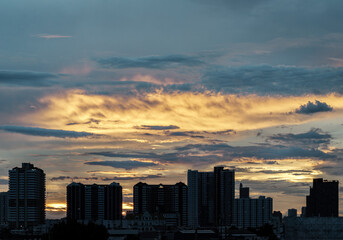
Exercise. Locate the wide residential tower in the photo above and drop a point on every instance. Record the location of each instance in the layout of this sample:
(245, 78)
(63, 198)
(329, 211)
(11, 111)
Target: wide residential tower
(26, 196)
(210, 197)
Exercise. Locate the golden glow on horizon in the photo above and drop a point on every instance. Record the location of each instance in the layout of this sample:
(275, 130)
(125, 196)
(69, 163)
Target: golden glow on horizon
(56, 207)
(108, 115)
(291, 170)
(128, 206)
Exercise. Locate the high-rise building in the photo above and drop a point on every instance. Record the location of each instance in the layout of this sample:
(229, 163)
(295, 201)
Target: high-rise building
(243, 191)
(161, 199)
(200, 198)
(3, 207)
(323, 199)
(26, 196)
(210, 197)
(94, 202)
(224, 195)
(252, 213)
(76, 201)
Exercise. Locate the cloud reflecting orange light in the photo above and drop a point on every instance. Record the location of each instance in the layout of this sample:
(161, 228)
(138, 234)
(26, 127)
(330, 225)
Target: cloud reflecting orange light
(79, 111)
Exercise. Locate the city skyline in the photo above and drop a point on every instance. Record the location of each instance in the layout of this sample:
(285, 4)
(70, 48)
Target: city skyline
(208, 199)
(129, 91)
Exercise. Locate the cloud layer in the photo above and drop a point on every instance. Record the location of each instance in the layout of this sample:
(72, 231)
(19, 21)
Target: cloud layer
(128, 165)
(153, 62)
(311, 108)
(43, 132)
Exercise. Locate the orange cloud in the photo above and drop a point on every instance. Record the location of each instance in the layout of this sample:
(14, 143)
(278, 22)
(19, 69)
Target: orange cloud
(188, 111)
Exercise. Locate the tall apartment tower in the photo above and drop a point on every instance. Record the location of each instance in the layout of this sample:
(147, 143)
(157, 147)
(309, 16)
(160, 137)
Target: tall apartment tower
(26, 196)
(94, 202)
(210, 197)
(224, 195)
(3, 207)
(161, 199)
(252, 212)
(76, 201)
(323, 199)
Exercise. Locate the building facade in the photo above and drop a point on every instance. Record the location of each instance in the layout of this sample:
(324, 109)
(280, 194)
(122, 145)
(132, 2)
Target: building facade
(26, 196)
(3, 207)
(323, 199)
(210, 197)
(161, 199)
(94, 202)
(252, 213)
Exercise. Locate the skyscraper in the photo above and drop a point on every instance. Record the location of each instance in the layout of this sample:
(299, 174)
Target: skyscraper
(323, 199)
(26, 196)
(94, 202)
(76, 201)
(224, 195)
(200, 198)
(210, 197)
(161, 199)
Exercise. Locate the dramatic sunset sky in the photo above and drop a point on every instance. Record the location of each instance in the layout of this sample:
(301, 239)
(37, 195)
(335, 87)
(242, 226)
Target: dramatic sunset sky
(143, 90)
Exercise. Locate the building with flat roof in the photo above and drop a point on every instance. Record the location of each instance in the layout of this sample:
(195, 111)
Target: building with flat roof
(252, 212)
(323, 199)
(210, 197)
(94, 202)
(161, 199)
(26, 196)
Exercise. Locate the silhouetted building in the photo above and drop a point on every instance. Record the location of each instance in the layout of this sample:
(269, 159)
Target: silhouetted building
(76, 201)
(210, 197)
(3, 207)
(200, 198)
(224, 195)
(277, 214)
(26, 196)
(252, 213)
(292, 213)
(303, 212)
(323, 199)
(243, 191)
(161, 199)
(94, 202)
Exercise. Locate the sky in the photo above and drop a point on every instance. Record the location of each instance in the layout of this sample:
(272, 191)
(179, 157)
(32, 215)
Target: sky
(131, 90)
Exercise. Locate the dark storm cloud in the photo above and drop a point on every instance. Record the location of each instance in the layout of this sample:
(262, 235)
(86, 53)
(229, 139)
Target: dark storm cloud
(311, 108)
(128, 165)
(152, 62)
(27, 78)
(154, 127)
(310, 139)
(271, 80)
(43, 132)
